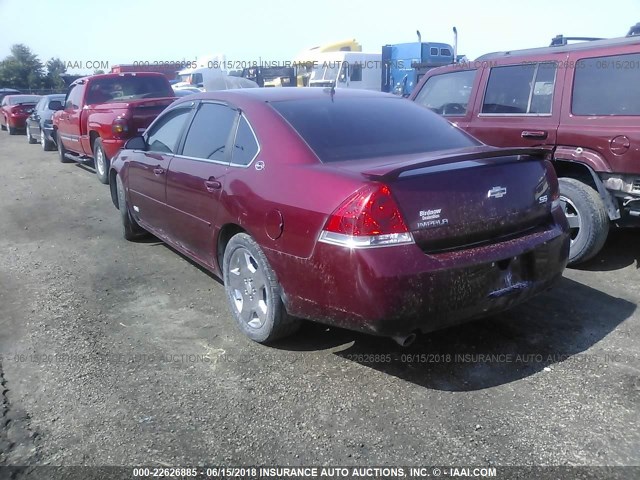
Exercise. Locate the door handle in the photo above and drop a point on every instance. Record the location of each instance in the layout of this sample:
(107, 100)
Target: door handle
(535, 134)
(158, 170)
(212, 184)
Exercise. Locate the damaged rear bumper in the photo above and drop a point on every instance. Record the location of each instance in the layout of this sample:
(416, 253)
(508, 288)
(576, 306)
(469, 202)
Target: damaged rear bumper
(397, 290)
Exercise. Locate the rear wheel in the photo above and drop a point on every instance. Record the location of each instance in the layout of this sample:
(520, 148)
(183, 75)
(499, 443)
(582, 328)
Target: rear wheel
(254, 293)
(62, 152)
(130, 228)
(101, 161)
(587, 217)
(47, 145)
(30, 139)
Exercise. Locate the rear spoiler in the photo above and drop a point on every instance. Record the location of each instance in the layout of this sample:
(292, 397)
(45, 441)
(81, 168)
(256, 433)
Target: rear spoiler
(393, 170)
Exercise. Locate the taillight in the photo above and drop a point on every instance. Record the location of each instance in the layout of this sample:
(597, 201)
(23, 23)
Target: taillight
(368, 218)
(120, 127)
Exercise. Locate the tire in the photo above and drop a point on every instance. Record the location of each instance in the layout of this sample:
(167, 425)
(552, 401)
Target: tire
(30, 139)
(47, 145)
(100, 161)
(588, 219)
(4, 126)
(62, 152)
(12, 130)
(130, 228)
(254, 293)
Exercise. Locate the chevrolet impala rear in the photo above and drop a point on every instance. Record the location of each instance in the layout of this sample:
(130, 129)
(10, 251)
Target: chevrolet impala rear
(351, 208)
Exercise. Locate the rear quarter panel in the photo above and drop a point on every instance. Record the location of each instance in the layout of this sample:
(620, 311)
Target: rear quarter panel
(594, 133)
(292, 182)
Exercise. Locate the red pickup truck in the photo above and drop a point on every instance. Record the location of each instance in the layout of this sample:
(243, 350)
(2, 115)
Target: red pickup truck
(102, 111)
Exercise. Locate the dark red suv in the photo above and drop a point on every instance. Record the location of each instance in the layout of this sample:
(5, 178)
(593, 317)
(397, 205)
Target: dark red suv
(583, 99)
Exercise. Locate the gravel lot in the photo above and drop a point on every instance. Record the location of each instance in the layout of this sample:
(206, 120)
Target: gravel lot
(119, 353)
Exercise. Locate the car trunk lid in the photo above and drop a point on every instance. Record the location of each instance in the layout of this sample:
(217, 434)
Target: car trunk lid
(470, 197)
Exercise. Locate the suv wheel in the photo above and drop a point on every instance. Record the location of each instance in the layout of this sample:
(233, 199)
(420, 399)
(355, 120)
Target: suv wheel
(587, 217)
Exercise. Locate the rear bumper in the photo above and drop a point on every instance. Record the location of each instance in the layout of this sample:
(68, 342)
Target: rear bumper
(397, 290)
(19, 123)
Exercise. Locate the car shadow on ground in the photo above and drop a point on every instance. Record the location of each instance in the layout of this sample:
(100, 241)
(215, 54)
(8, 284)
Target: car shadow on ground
(554, 327)
(621, 250)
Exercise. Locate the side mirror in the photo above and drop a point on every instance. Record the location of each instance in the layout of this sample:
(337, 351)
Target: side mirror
(55, 105)
(136, 143)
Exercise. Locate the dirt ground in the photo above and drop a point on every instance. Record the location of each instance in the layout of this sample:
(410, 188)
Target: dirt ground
(119, 353)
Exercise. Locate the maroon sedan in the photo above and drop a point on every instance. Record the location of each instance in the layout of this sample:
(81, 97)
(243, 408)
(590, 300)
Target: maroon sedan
(352, 208)
(14, 111)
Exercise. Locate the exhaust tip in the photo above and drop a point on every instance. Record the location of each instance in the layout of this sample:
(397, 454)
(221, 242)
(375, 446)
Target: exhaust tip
(405, 340)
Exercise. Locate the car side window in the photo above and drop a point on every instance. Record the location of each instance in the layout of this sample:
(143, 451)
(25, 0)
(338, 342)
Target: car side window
(245, 145)
(209, 132)
(520, 89)
(607, 86)
(165, 134)
(447, 94)
(73, 98)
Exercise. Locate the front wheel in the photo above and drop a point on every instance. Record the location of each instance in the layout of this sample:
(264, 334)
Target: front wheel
(254, 292)
(587, 217)
(12, 130)
(101, 161)
(130, 228)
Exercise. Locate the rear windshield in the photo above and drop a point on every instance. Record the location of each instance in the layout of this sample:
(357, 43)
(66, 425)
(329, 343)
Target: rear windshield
(15, 100)
(607, 86)
(128, 87)
(367, 127)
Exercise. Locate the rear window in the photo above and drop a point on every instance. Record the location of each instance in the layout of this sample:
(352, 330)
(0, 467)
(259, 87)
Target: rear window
(607, 86)
(128, 87)
(368, 127)
(15, 100)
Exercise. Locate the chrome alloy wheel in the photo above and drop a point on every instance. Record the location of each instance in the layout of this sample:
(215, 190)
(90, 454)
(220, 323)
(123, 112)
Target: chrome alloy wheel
(100, 166)
(248, 288)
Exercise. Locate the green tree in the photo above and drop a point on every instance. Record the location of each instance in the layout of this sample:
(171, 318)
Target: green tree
(98, 72)
(55, 70)
(21, 69)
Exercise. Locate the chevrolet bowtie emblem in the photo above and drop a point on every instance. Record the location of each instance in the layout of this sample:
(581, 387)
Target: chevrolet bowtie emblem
(497, 192)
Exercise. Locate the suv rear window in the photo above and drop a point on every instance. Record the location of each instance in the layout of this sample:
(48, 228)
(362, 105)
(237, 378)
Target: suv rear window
(525, 89)
(366, 127)
(607, 86)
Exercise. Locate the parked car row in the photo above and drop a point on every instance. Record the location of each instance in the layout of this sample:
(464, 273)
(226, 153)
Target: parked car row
(352, 208)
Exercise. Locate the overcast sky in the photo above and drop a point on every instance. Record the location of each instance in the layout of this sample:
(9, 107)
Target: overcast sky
(124, 31)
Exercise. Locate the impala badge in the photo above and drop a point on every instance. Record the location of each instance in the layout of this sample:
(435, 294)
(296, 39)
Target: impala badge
(497, 192)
